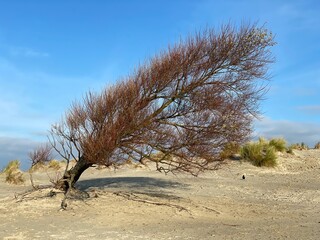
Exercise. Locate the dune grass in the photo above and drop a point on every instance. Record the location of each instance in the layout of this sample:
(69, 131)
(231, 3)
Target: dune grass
(279, 144)
(13, 173)
(262, 152)
(54, 164)
(230, 150)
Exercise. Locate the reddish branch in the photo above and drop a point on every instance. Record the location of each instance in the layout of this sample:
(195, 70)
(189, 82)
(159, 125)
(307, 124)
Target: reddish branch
(179, 109)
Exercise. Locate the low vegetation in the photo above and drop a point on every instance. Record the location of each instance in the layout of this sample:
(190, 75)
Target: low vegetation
(230, 150)
(54, 164)
(279, 144)
(298, 146)
(263, 152)
(13, 173)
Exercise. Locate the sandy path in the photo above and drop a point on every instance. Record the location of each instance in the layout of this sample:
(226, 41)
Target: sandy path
(280, 203)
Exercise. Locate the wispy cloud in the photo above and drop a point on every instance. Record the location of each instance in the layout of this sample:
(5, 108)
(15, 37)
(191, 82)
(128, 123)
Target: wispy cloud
(292, 131)
(27, 52)
(314, 109)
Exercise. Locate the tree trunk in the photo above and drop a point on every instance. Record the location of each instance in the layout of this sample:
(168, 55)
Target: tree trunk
(72, 176)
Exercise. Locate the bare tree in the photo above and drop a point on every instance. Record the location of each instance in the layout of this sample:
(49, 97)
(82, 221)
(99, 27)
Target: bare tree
(42, 154)
(185, 104)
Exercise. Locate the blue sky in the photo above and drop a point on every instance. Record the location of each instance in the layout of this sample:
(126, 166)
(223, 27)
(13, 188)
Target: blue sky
(52, 52)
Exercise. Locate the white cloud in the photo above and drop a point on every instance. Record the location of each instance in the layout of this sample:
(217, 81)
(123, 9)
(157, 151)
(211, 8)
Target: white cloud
(293, 132)
(15, 149)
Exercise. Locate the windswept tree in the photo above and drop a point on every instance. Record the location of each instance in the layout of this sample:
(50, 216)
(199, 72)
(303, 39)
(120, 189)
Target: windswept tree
(179, 109)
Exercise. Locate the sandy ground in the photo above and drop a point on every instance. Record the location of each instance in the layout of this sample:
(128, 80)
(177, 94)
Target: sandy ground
(139, 203)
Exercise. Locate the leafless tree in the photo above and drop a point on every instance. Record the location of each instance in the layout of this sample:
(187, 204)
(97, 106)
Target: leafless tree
(178, 110)
(42, 154)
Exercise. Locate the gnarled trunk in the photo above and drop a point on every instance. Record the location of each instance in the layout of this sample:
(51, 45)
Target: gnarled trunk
(72, 176)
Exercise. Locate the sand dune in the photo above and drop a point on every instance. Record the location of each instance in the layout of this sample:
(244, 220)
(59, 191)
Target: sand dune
(140, 203)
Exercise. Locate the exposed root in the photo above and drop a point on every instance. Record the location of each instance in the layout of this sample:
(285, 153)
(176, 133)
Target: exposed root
(74, 194)
(134, 197)
(36, 193)
(211, 210)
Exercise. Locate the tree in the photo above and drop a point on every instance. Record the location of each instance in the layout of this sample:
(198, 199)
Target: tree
(40, 155)
(178, 110)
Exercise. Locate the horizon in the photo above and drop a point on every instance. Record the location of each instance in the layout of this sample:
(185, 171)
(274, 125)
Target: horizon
(52, 53)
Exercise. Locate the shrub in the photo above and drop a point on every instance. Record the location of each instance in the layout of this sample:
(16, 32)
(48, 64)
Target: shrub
(13, 173)
(317, 146)
(279, 144)
(259, 153)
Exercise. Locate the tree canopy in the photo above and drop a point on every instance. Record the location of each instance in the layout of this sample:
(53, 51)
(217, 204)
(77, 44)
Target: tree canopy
(179, 109)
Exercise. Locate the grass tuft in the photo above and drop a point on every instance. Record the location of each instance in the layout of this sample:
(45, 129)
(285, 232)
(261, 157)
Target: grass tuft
(260, 153)
(279, 144)
(13, 173)
(229, 150)
(54, 164)
(299, 146)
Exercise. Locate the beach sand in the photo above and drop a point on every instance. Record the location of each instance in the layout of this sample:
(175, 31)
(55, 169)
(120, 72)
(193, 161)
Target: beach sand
(136, 202)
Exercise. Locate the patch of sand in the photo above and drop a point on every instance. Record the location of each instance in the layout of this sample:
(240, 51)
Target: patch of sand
(139, 203)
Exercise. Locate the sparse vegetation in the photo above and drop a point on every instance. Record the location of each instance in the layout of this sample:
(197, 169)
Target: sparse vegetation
(279, 144)
(260, 153)
(13, 173)
(317, 146)
(304, 146)
(299, 146)
(290, 149)
(230, 150)
(54, 164)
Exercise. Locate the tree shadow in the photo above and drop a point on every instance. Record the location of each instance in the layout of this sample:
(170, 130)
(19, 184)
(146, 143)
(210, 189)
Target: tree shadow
(147, 186)
(137, 183)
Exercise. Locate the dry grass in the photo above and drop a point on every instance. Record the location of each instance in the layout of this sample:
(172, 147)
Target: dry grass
(54, 164)
(230, 150)
(279, 144)
(299, 146)
(13, 173)
(259, 153)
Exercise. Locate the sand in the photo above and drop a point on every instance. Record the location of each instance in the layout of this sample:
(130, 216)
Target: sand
(137, 202)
